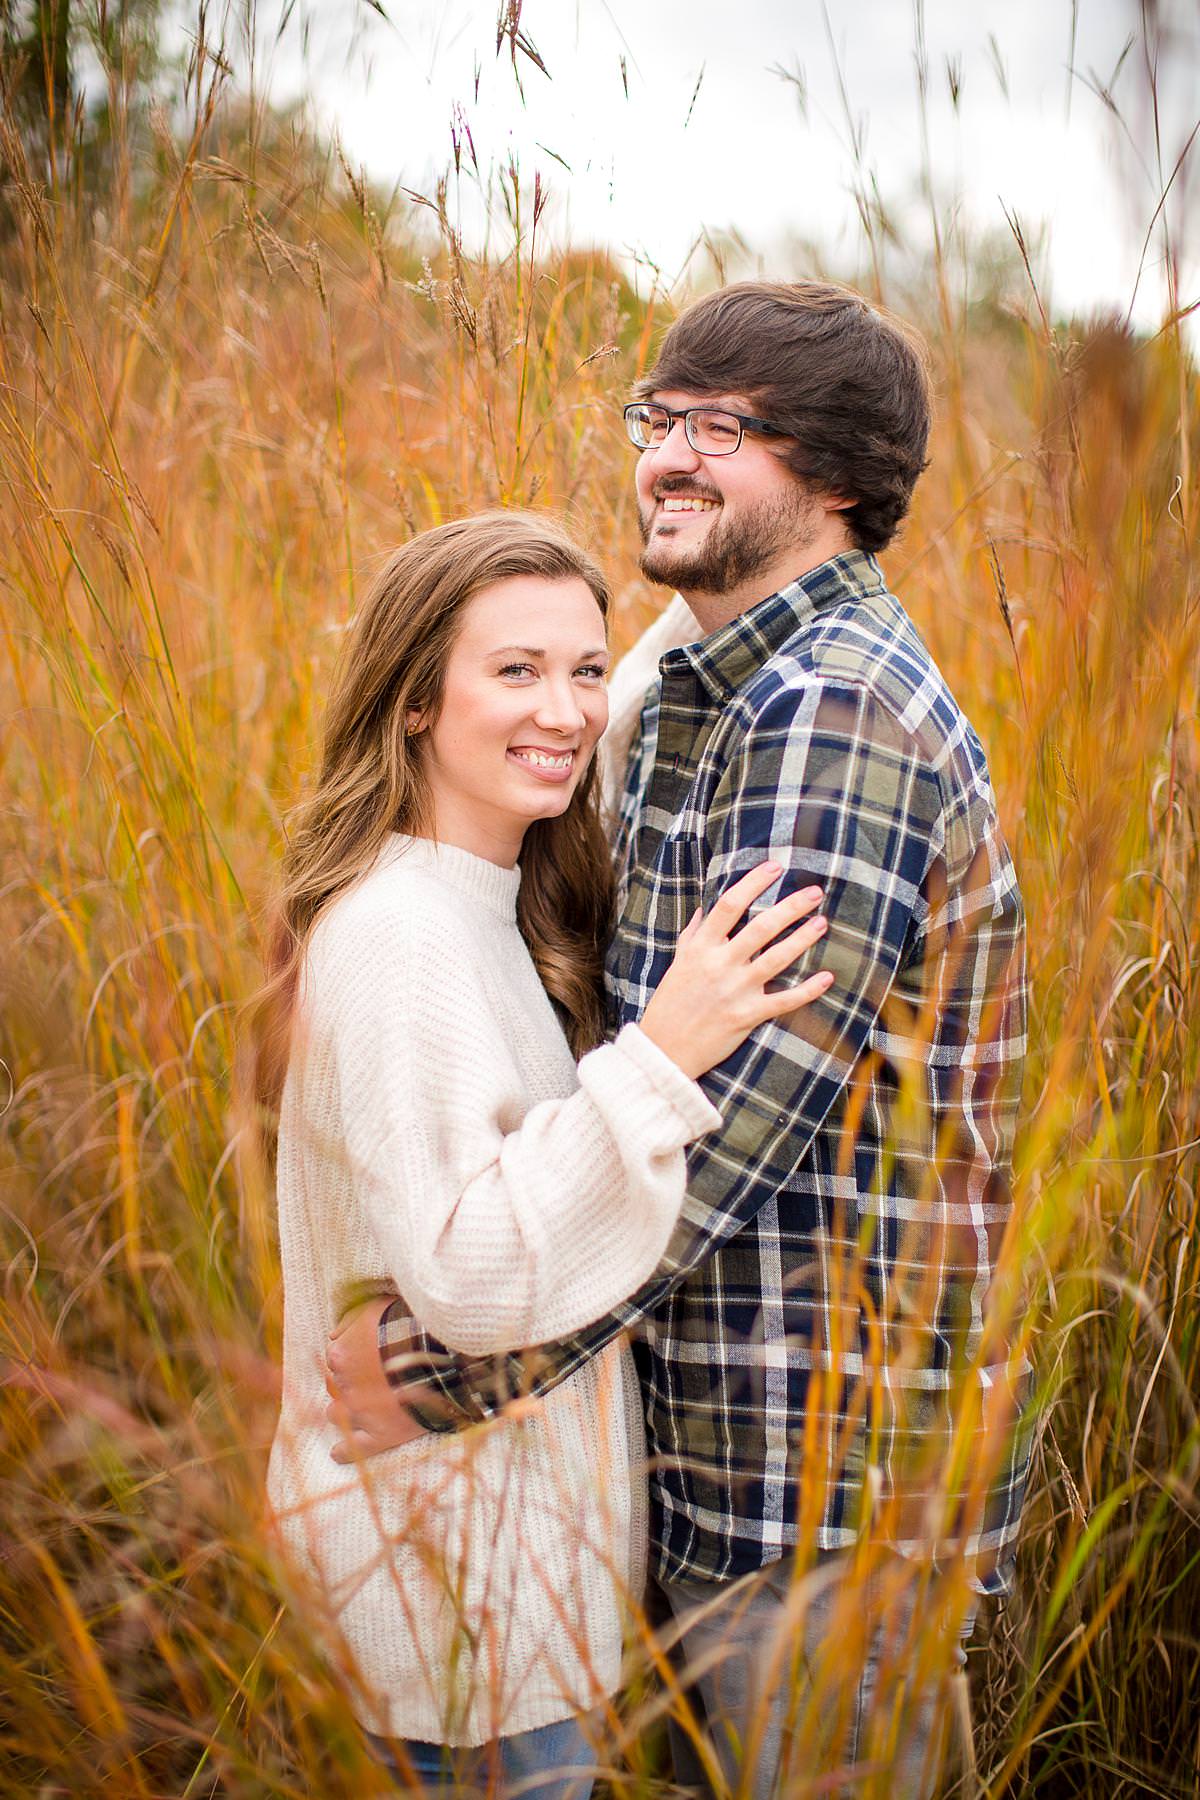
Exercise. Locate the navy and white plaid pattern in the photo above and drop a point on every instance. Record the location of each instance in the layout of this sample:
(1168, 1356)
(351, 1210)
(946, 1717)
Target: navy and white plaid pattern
(815, 1343)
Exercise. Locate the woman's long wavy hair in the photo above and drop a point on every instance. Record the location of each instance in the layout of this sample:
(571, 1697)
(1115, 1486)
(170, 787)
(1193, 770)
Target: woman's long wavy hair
(372, 781)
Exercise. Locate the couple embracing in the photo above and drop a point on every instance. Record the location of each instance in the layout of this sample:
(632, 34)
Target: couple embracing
(695, 1137)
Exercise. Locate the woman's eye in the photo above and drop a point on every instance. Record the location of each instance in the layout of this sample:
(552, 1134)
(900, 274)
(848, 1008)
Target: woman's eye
(594, 671)
(517, 669)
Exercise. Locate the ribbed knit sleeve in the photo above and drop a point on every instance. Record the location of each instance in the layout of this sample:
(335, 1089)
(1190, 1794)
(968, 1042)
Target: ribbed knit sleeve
(503, 1225)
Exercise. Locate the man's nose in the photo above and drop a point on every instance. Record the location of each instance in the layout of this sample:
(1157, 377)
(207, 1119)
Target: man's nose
(674, 454)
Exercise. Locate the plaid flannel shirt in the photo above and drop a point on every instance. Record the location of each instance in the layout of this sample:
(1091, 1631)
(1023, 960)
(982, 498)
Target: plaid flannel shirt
(815, 1345)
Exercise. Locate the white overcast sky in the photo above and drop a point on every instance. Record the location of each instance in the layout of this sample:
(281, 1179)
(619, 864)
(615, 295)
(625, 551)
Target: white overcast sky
(648, 170)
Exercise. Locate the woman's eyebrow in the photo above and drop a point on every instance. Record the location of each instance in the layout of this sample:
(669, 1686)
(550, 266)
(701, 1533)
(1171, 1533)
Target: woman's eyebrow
(528, 650)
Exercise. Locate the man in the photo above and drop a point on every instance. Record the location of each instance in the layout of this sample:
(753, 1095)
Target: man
(819, 1367)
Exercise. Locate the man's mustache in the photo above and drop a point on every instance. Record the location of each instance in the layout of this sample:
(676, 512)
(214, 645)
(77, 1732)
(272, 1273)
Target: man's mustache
(686, 486)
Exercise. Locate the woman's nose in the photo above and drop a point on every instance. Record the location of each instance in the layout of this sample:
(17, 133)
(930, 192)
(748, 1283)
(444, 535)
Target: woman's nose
(558, 707)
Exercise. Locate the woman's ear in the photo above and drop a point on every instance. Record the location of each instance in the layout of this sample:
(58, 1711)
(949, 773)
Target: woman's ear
(414, 721)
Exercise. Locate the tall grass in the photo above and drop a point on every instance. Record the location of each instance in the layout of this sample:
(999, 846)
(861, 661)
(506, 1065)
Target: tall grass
(229, 380)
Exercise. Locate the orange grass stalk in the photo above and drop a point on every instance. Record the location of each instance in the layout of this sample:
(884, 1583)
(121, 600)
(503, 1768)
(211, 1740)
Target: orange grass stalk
(228, 372)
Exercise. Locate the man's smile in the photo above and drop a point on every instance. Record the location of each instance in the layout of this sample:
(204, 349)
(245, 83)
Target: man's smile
(677, 502)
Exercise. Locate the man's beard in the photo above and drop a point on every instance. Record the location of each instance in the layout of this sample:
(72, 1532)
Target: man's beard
(734, 550)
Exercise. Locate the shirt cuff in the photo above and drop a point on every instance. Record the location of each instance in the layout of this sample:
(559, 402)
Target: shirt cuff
(410, 1362)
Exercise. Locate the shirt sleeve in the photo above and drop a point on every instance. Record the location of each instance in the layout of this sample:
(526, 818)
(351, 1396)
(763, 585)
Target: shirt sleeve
(502, 1224)
(828, 782)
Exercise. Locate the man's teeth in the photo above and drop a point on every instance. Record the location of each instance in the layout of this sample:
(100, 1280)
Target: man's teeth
(543, 759)
(688, 503)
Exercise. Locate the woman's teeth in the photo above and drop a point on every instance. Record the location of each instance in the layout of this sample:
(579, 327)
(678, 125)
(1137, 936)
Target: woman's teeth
(543, 759)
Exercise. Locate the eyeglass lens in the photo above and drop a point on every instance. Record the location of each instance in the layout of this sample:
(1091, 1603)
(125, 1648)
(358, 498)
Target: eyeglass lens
(711, 433)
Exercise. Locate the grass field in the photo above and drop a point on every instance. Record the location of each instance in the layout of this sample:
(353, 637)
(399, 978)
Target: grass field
(228, 383)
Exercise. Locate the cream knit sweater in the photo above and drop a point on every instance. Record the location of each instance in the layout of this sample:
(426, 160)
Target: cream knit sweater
(437, 1135)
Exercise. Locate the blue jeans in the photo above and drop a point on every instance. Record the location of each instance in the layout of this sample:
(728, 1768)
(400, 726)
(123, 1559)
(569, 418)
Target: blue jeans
(552, 1762)
(731, 1633)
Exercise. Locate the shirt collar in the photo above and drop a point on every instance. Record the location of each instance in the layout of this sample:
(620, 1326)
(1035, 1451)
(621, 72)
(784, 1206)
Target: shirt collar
(729, 656)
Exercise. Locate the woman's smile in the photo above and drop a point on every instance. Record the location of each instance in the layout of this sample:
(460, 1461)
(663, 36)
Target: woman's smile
(543, 764)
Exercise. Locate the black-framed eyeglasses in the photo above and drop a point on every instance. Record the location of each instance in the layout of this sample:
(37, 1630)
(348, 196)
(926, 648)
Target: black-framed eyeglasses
(710, 430)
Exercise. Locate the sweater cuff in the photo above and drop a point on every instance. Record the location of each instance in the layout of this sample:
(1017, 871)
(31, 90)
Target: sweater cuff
(686, 1096)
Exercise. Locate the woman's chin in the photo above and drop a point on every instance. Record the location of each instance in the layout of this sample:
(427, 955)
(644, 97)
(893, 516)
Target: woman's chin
(550, 804)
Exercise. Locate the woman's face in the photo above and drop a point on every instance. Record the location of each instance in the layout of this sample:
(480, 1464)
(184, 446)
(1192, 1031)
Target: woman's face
(523, 708)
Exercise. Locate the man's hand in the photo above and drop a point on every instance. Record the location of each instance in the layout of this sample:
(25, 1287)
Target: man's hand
(369, 1415)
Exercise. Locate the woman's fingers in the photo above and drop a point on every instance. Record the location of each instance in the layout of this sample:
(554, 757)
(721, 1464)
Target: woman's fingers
(720, 920)
(806, 991)
(692, 927)
(758, 932)
(783, 952)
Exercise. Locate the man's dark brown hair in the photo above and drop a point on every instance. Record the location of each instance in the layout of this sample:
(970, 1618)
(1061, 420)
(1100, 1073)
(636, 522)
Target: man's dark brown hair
(848, 383)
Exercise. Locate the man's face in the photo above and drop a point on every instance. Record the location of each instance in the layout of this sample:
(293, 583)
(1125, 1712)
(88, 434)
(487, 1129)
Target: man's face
(712, 523)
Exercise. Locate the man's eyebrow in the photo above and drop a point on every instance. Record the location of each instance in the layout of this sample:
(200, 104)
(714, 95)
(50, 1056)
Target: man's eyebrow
(715, 402)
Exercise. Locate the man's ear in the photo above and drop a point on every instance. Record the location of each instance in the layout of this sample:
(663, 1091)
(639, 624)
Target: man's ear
(835, 503)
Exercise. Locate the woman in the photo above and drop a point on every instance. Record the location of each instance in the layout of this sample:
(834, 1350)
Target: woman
(447, 897)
